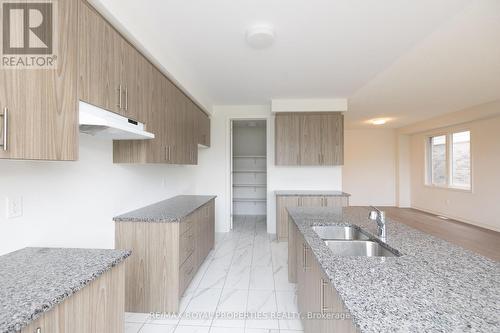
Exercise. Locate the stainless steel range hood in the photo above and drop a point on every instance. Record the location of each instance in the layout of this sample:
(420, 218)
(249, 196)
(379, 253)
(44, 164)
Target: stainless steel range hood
(104, 124)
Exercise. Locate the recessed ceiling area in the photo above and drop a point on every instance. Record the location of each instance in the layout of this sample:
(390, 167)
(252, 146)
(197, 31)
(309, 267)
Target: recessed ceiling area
(405, 60)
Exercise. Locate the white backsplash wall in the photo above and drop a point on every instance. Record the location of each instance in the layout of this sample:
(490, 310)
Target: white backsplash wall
(71, 204)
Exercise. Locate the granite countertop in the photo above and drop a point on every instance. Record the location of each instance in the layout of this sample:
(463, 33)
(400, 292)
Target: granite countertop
(435, 286)
(312, 193)
(170, 210)
(34, 280)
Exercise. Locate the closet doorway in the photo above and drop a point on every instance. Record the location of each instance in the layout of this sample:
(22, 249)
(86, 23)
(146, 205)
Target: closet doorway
(248, 173)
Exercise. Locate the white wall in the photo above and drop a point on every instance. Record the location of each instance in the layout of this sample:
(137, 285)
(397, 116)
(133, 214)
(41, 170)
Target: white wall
(369, 172)
(213, 176)
(71, 204)
(481, 205)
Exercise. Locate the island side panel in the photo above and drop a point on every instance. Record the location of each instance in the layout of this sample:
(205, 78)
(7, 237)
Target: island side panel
(152, 271)
(98, 307)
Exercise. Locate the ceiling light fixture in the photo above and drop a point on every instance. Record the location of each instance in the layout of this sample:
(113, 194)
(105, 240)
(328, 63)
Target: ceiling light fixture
(260, 36)
(379, 121)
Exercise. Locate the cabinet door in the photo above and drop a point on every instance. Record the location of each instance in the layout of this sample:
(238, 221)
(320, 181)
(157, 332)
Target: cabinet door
(99, 60)
(310, 144)
(41, 104)
(202, 127)
(287, 139)
(332, 139)
(332, 305)
(191, 132)
(309, 201)
(282, 203)
(130, 80)
(174, 123)
(337, 201)
(301, 273)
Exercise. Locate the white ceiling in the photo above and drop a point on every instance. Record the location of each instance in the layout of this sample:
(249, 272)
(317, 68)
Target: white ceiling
(403, 59)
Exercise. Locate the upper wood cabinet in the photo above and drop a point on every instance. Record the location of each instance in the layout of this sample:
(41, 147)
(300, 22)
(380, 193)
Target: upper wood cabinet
(95, 64)
(41, 104)
(203, 128)
(113, 74)
(99, 60)
(287, 139)
(309, 138)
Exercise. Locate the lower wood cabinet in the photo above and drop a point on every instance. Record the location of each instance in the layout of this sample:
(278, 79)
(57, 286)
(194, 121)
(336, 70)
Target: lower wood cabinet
(317, 299)
(285, 201)
(165, 257)
(97, 308)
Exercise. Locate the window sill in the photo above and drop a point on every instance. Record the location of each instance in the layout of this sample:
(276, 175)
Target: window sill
(451, 188)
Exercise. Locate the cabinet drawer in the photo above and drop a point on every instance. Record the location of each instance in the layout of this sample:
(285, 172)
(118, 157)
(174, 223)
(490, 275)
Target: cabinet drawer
(186, 245)
(186, 224)
(186, 273)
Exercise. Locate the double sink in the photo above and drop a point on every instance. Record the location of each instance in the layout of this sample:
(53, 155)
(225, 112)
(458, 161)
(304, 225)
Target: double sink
(351, 241)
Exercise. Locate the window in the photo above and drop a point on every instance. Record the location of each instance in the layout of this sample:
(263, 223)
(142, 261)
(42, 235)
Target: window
(449, 160)
(460, 160)
(438, 160)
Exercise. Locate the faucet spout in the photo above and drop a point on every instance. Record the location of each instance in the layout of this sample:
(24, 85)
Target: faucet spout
(378, 216)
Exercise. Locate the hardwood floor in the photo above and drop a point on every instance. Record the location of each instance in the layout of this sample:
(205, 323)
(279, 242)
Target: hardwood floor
(480, 240)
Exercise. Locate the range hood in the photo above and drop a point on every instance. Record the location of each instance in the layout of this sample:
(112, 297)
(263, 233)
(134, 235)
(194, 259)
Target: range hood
(104, 124)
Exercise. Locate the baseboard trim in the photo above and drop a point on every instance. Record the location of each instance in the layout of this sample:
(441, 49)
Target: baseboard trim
(457, 218)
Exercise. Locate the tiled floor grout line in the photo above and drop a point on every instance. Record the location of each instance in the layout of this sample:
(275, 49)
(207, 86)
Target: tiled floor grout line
(216, 249)
(232, 240)
(223, 285)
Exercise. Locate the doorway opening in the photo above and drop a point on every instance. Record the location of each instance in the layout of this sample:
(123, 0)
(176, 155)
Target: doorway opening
(248, 173)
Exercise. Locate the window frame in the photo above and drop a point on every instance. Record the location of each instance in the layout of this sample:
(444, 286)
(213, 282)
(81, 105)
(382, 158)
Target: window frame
(449, 160)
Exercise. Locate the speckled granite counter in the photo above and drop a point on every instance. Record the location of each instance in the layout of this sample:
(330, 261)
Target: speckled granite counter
(434, 287)
(312, 193)
(34, 280)
(170, 210)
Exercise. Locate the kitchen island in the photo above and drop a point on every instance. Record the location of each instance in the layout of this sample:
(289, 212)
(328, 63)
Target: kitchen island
(429, 285)
(169, 240)
(61, 290)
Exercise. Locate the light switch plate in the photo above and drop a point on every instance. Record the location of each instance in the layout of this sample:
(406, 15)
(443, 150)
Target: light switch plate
(14, 207)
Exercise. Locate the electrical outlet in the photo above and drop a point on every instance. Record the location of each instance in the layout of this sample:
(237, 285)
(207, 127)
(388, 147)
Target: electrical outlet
(14, 207)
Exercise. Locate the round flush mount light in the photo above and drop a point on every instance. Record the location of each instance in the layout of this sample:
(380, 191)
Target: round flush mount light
(260, 36)
(380, 121)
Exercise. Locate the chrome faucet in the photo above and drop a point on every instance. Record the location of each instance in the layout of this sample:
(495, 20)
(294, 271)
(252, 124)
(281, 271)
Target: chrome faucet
(378, 216)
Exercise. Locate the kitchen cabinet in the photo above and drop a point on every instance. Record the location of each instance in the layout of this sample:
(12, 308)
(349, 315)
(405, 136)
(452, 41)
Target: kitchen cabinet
(282, 202)
(97, 308)
(165, 257)
(99, 60)
(113, 74)
(285, 201)
(38, 107)
(287, 139)
(309, 139)
(316, 294)
(97, 65)
(203, 128)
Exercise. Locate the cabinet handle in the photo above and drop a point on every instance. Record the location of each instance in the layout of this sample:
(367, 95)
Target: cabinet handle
(119, 97)
(126, 99)
(167, 150)
(323, 307)
(304, 256)
(5, 116)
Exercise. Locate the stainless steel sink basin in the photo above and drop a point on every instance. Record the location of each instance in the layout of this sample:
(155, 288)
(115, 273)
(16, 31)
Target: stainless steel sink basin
(328, 232)
(359, 248)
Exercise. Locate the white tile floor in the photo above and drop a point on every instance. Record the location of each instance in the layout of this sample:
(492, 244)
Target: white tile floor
(245, 273)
